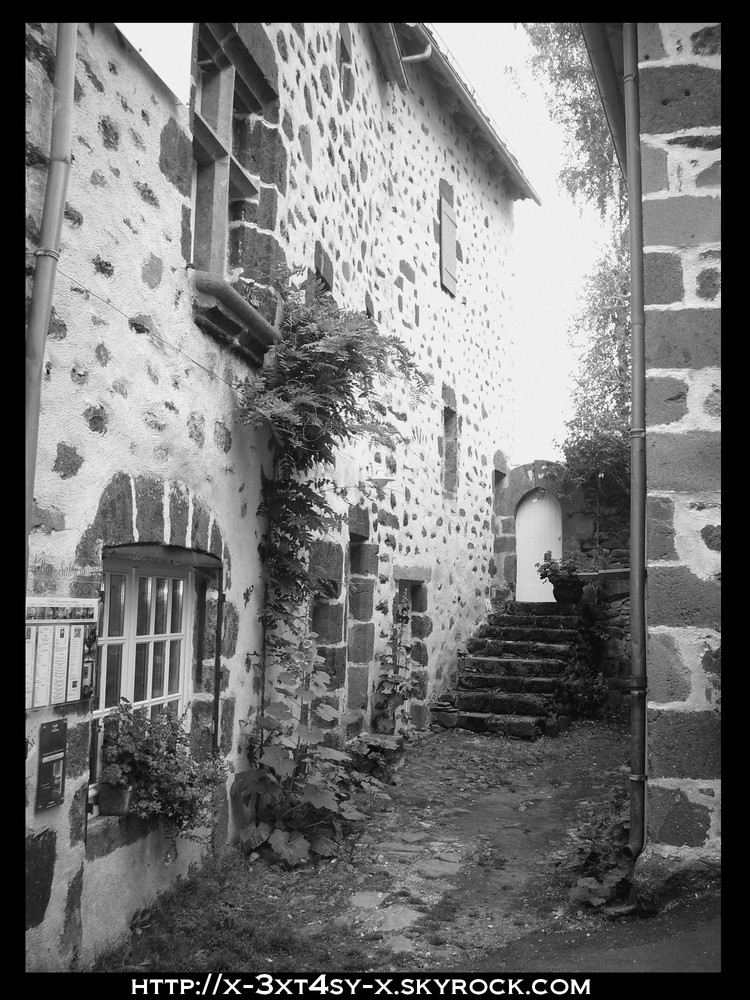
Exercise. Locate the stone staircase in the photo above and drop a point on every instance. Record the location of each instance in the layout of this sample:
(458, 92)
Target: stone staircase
(509, 678)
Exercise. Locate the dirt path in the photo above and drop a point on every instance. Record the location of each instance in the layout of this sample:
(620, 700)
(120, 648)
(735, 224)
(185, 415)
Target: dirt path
(471, 849)
(480, 836)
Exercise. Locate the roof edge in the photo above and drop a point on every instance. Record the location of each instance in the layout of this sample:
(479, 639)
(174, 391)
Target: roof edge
(480, 119)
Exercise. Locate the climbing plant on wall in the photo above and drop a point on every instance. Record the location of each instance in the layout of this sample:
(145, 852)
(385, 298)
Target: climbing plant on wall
(318, 390)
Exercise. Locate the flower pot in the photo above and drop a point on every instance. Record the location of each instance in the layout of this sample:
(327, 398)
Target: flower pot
(113, 800)
(444, 715)
(568, 591)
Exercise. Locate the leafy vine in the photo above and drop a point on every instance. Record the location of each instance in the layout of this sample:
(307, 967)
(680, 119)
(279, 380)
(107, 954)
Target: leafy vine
(318, 390)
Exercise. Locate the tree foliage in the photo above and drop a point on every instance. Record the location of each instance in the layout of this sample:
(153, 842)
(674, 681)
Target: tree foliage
(591, 171)
(597, 443)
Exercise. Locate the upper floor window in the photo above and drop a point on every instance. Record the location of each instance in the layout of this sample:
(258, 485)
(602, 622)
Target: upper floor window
(222, 96)
(447, 246)
(344, 59)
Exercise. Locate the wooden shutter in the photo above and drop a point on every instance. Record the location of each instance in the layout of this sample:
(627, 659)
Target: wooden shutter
(447, 247)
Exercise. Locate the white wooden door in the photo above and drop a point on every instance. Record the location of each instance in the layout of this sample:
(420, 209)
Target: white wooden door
(538, 530)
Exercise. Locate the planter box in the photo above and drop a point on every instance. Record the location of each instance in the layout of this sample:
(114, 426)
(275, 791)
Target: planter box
(113, 800)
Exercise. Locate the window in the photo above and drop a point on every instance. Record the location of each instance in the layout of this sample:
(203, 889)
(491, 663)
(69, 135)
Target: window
(346, 77)
(143, 640)
(447, 246)
(450, 451)
(226, 92)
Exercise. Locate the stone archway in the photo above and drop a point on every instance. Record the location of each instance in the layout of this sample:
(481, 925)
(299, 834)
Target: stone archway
(538, 530)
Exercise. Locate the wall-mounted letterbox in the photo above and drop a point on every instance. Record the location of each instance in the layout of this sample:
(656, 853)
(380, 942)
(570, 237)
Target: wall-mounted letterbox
(50, 789)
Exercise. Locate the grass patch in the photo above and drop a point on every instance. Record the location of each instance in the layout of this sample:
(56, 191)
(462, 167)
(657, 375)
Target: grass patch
(232, 916)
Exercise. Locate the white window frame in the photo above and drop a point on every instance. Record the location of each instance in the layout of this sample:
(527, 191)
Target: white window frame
(133, 570)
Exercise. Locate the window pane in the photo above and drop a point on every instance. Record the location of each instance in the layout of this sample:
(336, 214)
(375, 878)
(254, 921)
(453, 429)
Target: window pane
(144, 605)
(140, 688)
(157, 682)
(177, 591)
(162, 600)
(116, 618)
(174, 666)
(98, 677)
(114, 669)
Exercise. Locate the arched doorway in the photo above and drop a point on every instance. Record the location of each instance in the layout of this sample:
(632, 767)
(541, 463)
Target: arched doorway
(538, 530)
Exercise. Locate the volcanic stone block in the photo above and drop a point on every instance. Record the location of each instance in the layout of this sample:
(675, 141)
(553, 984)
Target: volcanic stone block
(674, 819)
(684, 744)
(668, 677)
(327, 566)
(660, 531)
(666, 400)
(678, 97)
(361, 642)
(361, 598)
(328, 621)
(678, 597)
(687, 462)
(662, 275)
(683, 338)
(684, 221)
(363, 559)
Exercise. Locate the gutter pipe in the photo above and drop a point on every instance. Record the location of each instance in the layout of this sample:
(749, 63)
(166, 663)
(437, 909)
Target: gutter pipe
(638, 678)
(48, 253)
(597, 42)
(486, 128)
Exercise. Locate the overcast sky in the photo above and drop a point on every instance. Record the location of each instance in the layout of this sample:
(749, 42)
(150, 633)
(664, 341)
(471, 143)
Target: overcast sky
(554, 245)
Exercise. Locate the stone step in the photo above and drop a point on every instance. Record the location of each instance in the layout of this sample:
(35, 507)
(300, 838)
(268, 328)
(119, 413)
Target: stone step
(517, 649)
(525, 633)
(521, 726)
(545, 608)
(509, 666)
(511, 683)
(500, 702)
(534, 621)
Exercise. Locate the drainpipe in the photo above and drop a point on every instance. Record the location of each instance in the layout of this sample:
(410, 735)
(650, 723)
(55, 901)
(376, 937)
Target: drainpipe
(419, 56)
(638, 775)
(49, 249)
(217, 658)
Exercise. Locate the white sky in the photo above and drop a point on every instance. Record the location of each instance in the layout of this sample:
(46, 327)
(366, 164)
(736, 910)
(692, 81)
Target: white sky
(554, 245)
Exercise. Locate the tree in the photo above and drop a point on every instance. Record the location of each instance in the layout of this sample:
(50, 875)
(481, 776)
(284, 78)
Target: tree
(597, 445)
(591, 171)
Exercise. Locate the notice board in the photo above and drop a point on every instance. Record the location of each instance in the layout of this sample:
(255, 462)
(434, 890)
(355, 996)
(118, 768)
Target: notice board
(60, 649)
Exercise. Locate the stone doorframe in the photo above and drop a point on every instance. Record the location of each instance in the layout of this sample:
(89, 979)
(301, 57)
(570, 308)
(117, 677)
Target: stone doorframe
(511, 488)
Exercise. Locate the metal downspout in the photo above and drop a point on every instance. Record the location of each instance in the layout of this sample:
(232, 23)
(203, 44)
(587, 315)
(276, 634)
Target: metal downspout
(638, 775)
(217, 659)
(49, 249)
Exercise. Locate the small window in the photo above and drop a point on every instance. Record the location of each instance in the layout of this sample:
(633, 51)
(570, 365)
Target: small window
(447, 246)
(450, 451)
(143, 641)
(346, 76)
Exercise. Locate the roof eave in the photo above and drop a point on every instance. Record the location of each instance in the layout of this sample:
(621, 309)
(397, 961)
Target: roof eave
(479, 124)
(605, 56)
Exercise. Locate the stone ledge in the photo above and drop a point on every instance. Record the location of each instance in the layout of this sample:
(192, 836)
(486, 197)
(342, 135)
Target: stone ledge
(221, 312)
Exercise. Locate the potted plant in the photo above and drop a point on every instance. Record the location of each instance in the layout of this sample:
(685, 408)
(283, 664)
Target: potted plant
(153, 758)
(567, 586)
(113, 791)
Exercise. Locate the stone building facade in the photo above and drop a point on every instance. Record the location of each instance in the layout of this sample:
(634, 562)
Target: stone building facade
(305, 145)
(680, 127)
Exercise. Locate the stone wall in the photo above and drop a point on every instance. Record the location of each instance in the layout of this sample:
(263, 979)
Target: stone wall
(679, 67)
(137, 443)
(138, 433)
